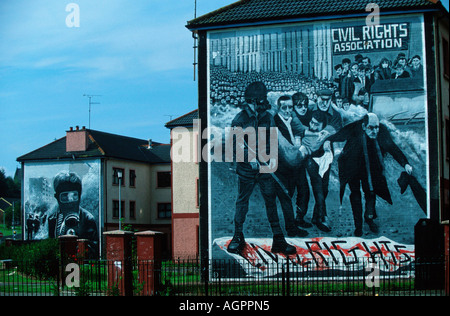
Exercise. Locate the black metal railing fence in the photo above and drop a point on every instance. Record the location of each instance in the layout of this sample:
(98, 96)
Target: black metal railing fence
(195, 277)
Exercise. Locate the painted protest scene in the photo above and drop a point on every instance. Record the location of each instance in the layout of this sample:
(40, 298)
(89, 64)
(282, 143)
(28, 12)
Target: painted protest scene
(327, 122)
(62, 199)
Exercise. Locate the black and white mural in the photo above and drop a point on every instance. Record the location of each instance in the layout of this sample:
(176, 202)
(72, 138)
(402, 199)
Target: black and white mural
(62, 198)
(323, 153)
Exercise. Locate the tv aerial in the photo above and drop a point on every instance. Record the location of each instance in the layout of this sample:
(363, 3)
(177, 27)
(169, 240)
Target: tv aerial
(90, 96)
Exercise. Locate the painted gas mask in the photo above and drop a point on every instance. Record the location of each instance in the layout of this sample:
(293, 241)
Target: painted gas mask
(67, 192)
(256, 97)
(69, 205)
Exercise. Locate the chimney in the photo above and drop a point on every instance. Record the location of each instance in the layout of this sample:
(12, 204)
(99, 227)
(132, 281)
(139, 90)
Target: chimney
(76, 140)
(150, 144)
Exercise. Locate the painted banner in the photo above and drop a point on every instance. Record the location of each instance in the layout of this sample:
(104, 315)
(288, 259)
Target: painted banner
(62, 198)
(344, 174)
(367, 38)
(323, 253)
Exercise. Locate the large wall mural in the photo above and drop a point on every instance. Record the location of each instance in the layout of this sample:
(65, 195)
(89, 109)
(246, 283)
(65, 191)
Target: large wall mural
(62, 198)
(345, 105)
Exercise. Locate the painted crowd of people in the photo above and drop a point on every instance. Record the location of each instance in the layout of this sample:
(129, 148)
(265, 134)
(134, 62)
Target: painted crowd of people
(354, 79)
(350, 85)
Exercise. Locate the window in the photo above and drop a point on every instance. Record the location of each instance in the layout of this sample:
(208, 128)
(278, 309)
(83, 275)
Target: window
(132, 178)
(132, 209)
(164, 179)
(116, 208)
(164, 210)
(116, 176)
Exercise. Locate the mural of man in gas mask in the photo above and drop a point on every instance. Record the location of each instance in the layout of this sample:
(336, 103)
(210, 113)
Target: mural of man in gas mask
(70, 218)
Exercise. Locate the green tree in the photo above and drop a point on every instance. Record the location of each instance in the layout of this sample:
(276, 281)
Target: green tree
(8, 187)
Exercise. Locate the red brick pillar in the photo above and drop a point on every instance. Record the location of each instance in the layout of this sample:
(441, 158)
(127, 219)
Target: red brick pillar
(118, 255)
(68, 250)
(148, 244)
(68, 246)
(83, 249)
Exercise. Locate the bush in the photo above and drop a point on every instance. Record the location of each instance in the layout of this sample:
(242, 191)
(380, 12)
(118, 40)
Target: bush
(39, 259)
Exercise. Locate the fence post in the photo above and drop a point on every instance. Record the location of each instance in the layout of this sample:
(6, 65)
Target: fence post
(149, 256)
(82, 249)
(447, 264)
(288, 281)
(118, 255)
(68, 251)
(68, 246)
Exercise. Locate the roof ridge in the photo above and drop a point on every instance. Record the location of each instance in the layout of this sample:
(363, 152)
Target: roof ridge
(55, 141)
(184, 115)
(117, 135)
(227, 7)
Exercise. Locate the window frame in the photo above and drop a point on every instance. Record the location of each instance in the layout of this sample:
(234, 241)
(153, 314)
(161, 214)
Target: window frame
(132, 178)
(158, 184)
(115, 178)
(158, 210)
(132, 210)
(115, 210)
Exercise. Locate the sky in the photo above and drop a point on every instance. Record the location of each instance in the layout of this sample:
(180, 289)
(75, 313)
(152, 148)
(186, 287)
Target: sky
(135, 56)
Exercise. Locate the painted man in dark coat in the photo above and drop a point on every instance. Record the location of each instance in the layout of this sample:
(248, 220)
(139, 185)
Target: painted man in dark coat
(361, 165)
(291, 129)
(303, 113)
(255, 115)
(70, 218)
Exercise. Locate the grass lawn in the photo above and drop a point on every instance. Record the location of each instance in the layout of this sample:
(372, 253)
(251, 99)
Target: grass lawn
(8, 231)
